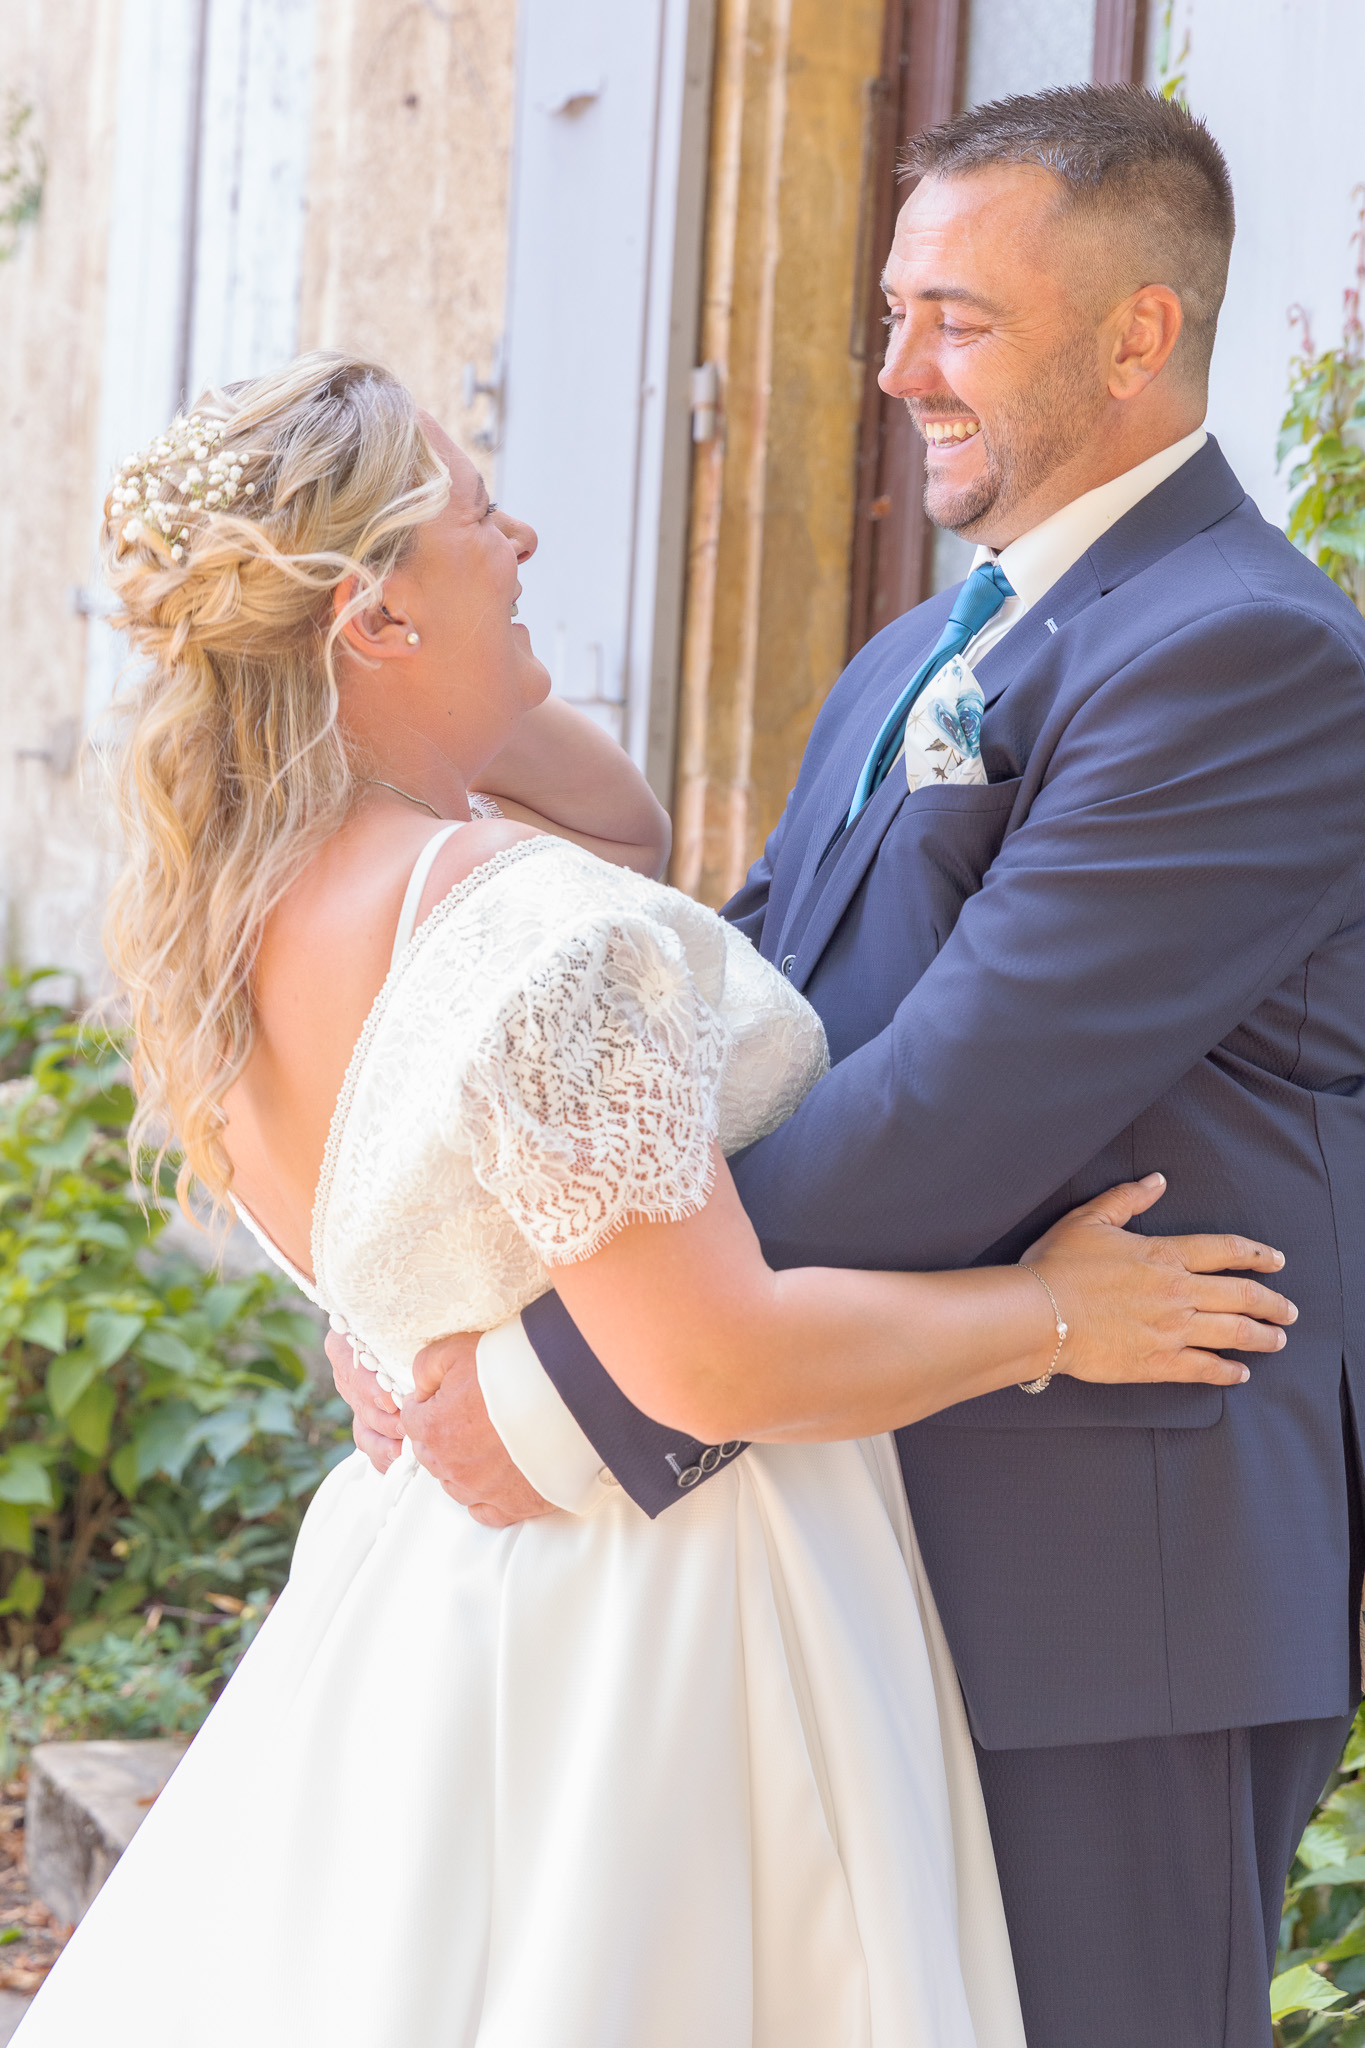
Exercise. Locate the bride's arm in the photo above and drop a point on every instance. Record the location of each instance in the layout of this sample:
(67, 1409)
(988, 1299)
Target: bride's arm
(695, 1327)
(563, 774)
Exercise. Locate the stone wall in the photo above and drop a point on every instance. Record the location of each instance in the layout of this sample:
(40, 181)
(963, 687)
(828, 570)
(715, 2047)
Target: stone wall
(403, 259)
(53, 861)
(406, 246)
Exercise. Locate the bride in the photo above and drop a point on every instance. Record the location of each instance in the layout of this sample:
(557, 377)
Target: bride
(589, 1782)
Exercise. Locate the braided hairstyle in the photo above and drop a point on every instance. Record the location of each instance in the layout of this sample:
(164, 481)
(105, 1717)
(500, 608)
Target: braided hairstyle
(223, 544)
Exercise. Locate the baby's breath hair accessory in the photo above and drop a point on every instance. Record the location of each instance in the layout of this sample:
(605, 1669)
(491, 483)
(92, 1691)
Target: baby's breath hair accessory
(187, 471)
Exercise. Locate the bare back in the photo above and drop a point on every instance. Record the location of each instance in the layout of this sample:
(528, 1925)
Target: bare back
(324, 957)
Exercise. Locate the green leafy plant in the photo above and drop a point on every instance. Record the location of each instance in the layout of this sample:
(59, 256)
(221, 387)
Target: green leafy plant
(160, 1432)
(1325, 425)
(1318, 1995)
(22, 174)
(26, 1020)
(1171, 73)
(155, 1683)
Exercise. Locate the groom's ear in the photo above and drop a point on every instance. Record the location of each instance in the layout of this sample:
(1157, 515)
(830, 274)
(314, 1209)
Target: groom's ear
(1146, 328)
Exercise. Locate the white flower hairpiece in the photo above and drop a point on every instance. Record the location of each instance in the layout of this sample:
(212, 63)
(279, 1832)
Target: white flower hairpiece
(186, 471)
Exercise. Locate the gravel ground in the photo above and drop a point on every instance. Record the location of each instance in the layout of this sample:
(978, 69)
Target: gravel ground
(30, 1939)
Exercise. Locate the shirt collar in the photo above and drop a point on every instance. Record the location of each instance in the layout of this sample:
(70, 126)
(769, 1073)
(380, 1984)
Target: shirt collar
(1038, 559)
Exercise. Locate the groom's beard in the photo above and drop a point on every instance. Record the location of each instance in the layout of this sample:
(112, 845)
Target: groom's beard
(1032, 433)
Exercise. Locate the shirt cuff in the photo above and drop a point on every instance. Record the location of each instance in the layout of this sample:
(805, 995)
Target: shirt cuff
(538, 1431)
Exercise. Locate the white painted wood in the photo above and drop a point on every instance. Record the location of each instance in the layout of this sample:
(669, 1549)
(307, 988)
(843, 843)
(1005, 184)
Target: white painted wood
(252, 188)
(158, 57)
(604, 263)
(225, 119)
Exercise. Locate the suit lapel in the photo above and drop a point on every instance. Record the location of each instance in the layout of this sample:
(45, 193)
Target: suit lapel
(846, 868)
(833, 791)
(1201, 492)
(1009, 657)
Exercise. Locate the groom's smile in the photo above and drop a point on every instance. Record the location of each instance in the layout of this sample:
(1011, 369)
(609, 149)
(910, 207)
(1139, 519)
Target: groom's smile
(940, 433)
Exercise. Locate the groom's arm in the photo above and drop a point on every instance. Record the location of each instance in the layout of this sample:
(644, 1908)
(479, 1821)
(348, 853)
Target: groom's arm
(1197, 832)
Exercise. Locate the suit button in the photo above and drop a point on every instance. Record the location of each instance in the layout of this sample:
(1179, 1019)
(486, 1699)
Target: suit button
(709, 1458)
(788, 964)
(729, 1450)
(689, 1477)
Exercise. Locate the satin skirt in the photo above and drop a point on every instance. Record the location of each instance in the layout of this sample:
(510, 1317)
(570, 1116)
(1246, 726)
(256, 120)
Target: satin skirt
(592, 1782)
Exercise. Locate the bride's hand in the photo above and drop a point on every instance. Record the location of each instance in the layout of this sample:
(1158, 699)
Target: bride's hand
(1156, 1308)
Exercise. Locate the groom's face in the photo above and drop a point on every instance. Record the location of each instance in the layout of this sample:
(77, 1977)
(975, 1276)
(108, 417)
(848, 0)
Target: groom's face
(994, 344)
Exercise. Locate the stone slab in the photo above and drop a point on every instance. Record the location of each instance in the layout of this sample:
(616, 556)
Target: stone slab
(86, 1801)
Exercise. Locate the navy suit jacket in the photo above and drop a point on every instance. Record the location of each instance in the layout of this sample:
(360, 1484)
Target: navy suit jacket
(1141, 944)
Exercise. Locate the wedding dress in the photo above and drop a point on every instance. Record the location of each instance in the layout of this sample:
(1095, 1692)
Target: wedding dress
(594, 1781)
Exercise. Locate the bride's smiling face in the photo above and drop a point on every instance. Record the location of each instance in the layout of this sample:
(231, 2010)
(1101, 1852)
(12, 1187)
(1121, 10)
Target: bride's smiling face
(472, 672)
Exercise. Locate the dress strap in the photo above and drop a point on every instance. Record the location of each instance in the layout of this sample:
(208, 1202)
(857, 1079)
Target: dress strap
(417, 881)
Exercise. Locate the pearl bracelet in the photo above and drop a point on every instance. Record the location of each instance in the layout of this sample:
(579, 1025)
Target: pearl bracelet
(1040, 1386)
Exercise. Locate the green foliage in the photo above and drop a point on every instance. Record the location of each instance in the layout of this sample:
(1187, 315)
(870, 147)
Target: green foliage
(154, 1683)
(22, 174)
(160, 1434)
(1325, 425)
(1171, 74)
(1318, 1996)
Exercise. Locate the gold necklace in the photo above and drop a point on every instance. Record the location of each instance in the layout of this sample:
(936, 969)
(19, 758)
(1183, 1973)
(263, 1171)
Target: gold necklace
(374, 783)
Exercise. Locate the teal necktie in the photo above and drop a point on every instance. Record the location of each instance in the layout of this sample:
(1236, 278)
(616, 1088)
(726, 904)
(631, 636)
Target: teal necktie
(978, 601)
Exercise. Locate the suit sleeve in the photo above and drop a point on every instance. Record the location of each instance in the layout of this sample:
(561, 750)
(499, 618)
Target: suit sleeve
(1197, 830)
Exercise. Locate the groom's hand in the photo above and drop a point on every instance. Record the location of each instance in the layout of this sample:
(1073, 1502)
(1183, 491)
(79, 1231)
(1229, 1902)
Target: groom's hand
(453, 1438)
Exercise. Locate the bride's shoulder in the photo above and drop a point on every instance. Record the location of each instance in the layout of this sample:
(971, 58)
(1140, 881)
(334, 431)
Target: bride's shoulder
(522, 902)
(475, 846)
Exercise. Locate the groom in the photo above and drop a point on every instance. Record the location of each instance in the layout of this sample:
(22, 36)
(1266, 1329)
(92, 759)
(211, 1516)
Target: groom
(1075, 874)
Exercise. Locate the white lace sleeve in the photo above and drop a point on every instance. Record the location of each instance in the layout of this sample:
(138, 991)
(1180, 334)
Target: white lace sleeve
(591, 1100)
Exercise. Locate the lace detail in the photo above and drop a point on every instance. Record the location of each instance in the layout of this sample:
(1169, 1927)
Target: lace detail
(592, 1101)
(552, 1056)
(445, 908)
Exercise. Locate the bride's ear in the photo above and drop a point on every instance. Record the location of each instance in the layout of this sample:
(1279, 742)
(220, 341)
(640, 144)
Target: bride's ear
(375, 633)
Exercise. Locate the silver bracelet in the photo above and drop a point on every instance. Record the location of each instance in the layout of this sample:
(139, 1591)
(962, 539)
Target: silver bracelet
(1040, 1386)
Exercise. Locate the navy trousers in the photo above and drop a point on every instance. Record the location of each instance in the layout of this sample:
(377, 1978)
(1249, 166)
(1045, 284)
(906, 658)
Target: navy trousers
(1144, 1881)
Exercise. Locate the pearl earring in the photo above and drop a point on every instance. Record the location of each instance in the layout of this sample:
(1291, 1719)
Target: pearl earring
(414, 640)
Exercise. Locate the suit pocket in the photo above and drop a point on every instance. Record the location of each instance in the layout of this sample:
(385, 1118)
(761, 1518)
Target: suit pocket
(1079, 1404)
(946, 835)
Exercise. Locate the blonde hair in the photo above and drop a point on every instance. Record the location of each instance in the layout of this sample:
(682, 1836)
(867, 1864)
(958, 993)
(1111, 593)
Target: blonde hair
(232, 768)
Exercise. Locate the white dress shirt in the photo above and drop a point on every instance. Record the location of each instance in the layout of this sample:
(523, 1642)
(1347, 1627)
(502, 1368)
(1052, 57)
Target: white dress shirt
(540, 1434)
(1038, 559)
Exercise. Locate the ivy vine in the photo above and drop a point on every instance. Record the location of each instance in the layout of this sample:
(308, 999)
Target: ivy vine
(22, 173)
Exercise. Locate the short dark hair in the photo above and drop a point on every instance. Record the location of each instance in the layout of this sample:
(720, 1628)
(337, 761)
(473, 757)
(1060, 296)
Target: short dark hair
(1123, 153)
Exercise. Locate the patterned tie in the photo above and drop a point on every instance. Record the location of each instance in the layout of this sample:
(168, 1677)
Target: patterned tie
(979, 599)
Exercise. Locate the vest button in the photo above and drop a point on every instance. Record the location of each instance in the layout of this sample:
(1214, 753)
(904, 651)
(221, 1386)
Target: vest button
(788, 964)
